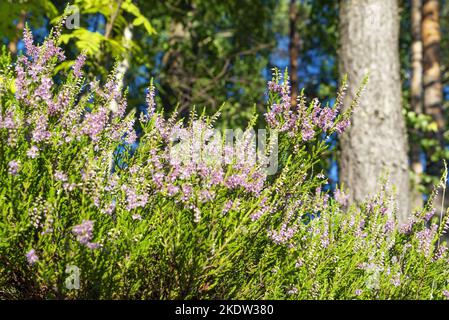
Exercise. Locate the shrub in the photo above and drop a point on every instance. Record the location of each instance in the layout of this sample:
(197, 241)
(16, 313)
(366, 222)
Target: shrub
(176, 211)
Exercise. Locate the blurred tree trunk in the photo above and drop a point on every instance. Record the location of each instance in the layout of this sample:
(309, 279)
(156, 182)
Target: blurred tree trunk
(433, 89)
(376, 143)
(123, 66)
(416, 95)
(293, 50)
(433, 93)
(12, 46)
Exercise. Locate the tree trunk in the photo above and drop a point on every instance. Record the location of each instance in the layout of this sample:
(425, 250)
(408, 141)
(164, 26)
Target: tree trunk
(376, 143)
(12, 46)
(416, 102)
(293, 49)
(417, 57)
(123, 66)
(433, 90)
(433, 93)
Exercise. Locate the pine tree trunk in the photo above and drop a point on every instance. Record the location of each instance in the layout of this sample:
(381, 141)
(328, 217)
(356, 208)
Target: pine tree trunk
(433, 90)
(376, 143)
(293, 49)
(433, 93)
(416, 101)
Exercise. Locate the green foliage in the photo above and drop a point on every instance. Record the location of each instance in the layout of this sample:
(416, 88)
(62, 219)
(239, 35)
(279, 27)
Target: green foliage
(207, 52)
(112, 43)
(12, 10)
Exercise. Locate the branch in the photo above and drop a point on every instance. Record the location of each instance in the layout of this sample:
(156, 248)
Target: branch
(110, 23)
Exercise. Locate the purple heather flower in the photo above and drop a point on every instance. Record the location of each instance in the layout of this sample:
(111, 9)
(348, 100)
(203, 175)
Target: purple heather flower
(133, 199)
(31, 49)
(341, 197)
(40, 132)
(407, 227)
(93, 245)
(358, 292)
(429, 215)
(262, 210)
(228, 205)
(299, 263)
(325, 200)
(321, 176)
(283, 235)
(60, 176)
(307, 132)
(32, 257)
(446, 294)
(425, 238)
(206, 195)
(342, 125)
(94, 123)
(274, 87)
(186, 192)
(440, 252)
(8, 122)
(172, 190)
(134, 169)
(283, 109)
(131, 136)
(270, 117)
(21, 81)
(84, 231)
(323, 117)
(151, 104)
(325, 239)
(13, 167)
(43, 92)
(216, 176)
(158, 179)
(51, 50)
(396, 280)
(69, 186)
(79, 63)
(390, 225)
(293, 291)
(62, 102)
(33, 152)
(235, 181)
(110, 209)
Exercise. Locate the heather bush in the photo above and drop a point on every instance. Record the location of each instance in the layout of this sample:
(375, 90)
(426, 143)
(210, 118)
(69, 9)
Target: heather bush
(175, 211)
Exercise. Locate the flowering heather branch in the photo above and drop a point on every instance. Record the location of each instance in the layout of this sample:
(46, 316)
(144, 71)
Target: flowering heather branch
(32, 257)
(79, 63)
(84, 233)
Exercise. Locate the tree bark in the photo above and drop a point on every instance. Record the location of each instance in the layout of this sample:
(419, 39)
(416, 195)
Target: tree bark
(416, 57)
(293, 50)
(123, 66)
(12, 46)
(433, 92)
(416, 101)
(376, 143)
